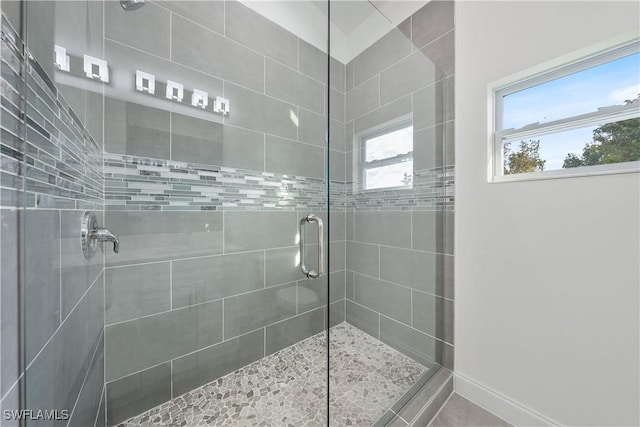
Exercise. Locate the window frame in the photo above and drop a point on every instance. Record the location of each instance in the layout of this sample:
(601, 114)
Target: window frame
(571, 64)
(398, 123)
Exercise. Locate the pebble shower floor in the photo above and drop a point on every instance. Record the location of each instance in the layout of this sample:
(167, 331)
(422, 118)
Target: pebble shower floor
(288, 388)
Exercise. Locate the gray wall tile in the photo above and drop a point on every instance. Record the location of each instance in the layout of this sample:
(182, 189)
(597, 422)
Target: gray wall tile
(337, 313)
(9, 315)
(428, 230)
(136, 291)
(410, 342)
(252, 29)
(398, 108)
(449, 144)
(138, 392)
(206, 279)
(214, 362)
(209, 14)
(349, 76)
(363, 258)
(338, 170)
(284, 83)
(407, 76)
(383, 297)
(261, 113)
(245, 231)
(364, 319)
(147, 29)
(312, 128)
(77, 273)
(160, 337)
(283, 266)
(388, 50)
(240, 65)
(428, 107)
(428, 145)
(42, 278)
(363, 98)
(196, 140)
(242, 148)
(136, 129)
(431, 21)
(433, 315)
(441, 52)
(40, 32)
(296, 329)
(337, 75)
(383, 228)
(418, 270)
(338, 136)
(337, 105)
(290, 157)
(312, 61)
(156, 236)
(312, 293)
(338, 256)
(86, 409)
(244, 313)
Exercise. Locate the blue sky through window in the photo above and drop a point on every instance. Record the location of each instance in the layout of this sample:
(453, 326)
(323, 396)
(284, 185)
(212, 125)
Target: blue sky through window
(583, 92)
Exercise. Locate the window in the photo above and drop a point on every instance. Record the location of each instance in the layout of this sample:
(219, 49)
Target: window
(386, 156)
(577, 119)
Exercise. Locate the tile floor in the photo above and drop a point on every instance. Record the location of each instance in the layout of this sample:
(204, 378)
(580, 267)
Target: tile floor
(288, 388)
(460, 412)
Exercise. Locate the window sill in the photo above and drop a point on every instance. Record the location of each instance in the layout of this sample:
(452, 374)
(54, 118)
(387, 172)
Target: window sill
(586, 171)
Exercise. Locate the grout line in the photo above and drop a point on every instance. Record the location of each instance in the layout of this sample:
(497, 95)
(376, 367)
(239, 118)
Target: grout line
(170, 285)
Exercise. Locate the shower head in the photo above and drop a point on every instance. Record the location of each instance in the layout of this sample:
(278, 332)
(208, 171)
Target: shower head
(131, 4)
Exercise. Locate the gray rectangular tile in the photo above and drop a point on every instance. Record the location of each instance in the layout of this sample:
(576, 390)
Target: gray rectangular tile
(283, 266)
(42, 278)
(247, 312)
(393, 111)
(287, 84)
(199, 48)
(196, 140)
(337, 283)
(383, 297)
(363, 258)
(337, 136)
(89, 399)
(95, 313)
(449, 226)
(136, 291)
(459, 411)
(431, 21)
(364, 319)
(206, 279)
(385, 52)
(420, 347)
(337, 75)
(196, 369)
(337, 313)
(138, 392)
(428, 230)
(449, 144)
(261, 113)
(433, 315)
(40, 32)
(349, 285)
(296, 329)
(425, 394)
(442, 53)
(428, 106)
(312, 293)
(419, 270)
(147, 29)
(349, 76)
(245, 231)
(209, 14)
(259, 33)
(157, 236)
(338, 169)
(159, 338)
(290, 157)
(136, 129)
(407, 76)
(242, 148)
(312, 61)
(438, 401)
(449, 98)
(337, 105)
(363, 99)
(383, 228)
(9, 300)
(312, 128)
(428, 146)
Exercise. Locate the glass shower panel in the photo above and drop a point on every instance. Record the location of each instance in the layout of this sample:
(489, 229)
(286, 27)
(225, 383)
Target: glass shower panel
(197, 134)
(390, 76)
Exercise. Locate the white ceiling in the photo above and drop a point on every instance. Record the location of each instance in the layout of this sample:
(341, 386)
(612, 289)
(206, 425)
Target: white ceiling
(355, 24)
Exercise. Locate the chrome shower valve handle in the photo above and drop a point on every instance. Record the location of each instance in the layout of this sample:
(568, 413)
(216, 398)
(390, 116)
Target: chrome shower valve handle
(91, 235)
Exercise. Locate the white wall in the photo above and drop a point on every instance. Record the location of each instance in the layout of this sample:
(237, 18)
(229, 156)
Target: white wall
(547, 272)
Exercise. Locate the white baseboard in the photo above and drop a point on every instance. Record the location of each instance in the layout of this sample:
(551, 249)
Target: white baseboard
(512, 412)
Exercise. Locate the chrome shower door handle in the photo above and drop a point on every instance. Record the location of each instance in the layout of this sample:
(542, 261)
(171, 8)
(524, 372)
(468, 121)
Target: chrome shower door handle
(312, 274)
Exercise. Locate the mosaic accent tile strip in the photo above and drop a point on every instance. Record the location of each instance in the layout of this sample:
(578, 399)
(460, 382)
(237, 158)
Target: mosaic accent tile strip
(60, 161)
(288, 388)
(140, 183)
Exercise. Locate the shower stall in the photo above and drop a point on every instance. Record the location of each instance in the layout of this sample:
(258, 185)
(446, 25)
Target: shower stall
(226, 212)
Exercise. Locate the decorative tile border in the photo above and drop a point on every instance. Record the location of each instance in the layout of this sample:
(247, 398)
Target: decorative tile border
(60, 165)
(140, 183)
